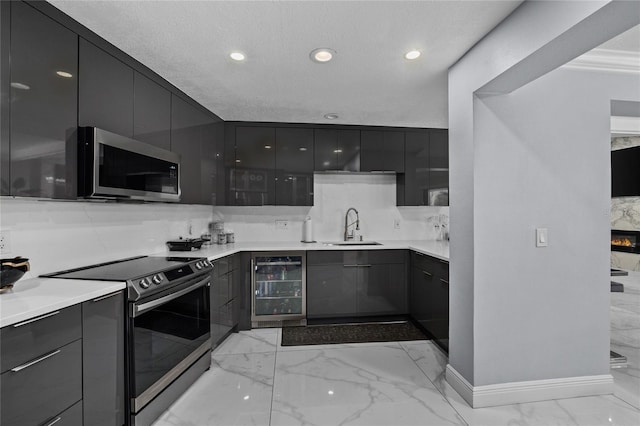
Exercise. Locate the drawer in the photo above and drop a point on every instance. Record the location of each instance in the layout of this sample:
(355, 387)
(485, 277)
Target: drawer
(72, 416)
(331, 257)
(381, 257)
(29, 339)
(38, 392)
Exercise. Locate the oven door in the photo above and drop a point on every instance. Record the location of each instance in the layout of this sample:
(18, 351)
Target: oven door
(167, 334)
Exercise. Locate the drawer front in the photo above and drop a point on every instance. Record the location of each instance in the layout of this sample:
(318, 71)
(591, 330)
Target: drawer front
(327, 257)
(30, 339)
(72, 416)
(38, 392)
(380, 257)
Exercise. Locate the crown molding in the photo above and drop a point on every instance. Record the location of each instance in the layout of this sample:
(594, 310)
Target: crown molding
(607, 60)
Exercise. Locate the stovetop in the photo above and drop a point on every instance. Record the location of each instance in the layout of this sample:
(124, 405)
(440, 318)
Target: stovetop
(124, 269)
(144, 275)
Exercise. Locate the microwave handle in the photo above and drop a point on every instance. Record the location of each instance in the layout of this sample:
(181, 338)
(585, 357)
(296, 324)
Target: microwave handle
(139, 309)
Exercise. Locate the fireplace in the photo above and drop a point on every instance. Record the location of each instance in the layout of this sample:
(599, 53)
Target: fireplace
(626, 241)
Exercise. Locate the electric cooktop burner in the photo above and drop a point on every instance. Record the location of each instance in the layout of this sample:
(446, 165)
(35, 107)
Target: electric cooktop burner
(144, 275)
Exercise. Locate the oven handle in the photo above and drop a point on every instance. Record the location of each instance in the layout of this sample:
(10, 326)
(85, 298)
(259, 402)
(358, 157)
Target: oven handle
(139, 309)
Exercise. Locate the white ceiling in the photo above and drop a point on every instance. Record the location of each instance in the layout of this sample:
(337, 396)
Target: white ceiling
(368, 82)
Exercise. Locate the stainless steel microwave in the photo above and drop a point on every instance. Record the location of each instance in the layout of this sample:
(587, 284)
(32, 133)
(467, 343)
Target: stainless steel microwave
(114, 166)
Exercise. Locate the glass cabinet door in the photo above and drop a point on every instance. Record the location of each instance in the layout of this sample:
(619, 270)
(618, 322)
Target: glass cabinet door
(278, 287)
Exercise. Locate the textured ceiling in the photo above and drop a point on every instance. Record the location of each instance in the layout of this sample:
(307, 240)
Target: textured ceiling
(368, 82)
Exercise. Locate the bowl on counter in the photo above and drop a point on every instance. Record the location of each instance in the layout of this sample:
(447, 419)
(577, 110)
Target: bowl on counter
(12, 270)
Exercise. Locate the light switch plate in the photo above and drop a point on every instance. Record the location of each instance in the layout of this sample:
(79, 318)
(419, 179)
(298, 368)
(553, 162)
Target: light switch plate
(542, 237)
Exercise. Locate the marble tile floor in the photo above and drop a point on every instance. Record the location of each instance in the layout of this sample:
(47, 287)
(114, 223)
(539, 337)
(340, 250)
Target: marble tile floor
(255, 381)
(625, 337)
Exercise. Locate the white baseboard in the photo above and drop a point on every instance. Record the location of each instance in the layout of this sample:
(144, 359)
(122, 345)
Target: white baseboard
(529, 391)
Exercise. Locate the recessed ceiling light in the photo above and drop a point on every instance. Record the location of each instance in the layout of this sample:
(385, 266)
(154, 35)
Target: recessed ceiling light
(20, 86)
(237, 160)
(322, 54)
(64, 74)
(331, 116)
(337, 151)
(237, 56)
(267, 147)
(412, 54)
(302, 148)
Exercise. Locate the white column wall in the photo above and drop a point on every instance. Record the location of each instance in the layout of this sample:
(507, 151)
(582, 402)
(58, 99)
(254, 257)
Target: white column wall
(500, 322)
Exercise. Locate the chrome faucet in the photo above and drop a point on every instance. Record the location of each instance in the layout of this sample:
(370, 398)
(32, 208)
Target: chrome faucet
(348, 236)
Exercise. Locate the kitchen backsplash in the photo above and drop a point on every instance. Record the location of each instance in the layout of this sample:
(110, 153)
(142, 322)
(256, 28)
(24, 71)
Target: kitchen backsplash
(57, 235)
(373, 195)
(625, 213)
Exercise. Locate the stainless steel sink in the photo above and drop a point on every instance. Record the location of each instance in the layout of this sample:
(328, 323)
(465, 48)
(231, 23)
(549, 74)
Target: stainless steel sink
(352, 243)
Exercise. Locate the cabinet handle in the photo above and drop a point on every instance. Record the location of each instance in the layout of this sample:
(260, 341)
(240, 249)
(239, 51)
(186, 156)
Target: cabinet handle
(36, 319)
(350, 266)
(56, 420)
(444, 281)
(105, 297)
(365, 266)
(427, 274)
(35, 361)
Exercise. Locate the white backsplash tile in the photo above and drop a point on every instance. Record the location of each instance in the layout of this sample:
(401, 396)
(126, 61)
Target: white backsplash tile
(373, 195)
(57, 235)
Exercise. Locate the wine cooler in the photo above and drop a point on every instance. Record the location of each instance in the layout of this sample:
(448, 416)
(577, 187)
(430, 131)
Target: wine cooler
(278, 286)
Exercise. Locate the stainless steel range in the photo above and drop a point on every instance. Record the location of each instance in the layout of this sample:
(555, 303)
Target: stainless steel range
(168, 339)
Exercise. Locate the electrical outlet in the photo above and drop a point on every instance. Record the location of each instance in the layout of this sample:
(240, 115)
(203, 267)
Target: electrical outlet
(282, 224)
(5, 241)
(396, 223)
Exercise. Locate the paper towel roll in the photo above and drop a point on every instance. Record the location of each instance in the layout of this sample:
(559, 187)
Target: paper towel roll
(307, 230)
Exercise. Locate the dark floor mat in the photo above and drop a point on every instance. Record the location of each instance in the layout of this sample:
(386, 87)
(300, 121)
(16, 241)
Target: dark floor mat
(350, 333)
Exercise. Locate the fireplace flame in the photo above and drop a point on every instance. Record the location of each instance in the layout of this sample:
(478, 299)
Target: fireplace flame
(622, 242)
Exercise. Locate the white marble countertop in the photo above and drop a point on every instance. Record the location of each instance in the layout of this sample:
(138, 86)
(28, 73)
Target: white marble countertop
(438, 249)
(37, 296)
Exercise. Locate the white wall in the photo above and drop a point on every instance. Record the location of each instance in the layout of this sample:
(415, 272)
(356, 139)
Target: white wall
(516, 162)
(551, 140)
(57, 235)
(373, 195)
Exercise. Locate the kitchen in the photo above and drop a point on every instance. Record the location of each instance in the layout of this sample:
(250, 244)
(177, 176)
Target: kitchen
(73, 229)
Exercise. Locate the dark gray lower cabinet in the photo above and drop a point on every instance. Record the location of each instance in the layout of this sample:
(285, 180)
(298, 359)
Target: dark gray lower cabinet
(103, 360)
(225, 297)
(356, 283)
(430, 296)
(331, 291)
(37, 391)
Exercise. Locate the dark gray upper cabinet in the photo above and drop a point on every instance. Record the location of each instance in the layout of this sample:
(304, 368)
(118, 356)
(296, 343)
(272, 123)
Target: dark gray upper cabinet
(381, 150)
(151, 112)
(103, 360)
(43, 106)
(5, 91)
(255, 163)
(294, 167)
(105, 97)
(438, 167)
(193, 136)
(414, 184)
(337, 149)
